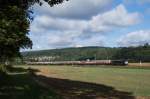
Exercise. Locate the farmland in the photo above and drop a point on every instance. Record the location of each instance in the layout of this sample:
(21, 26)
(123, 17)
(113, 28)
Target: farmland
(133, 80)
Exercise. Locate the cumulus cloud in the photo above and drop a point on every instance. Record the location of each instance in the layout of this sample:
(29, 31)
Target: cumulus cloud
(60, 32)
(76, 9)
(63, 39)
(94, 40)
(50, 23)
(135, 38)
(118, 17)
(57, 39)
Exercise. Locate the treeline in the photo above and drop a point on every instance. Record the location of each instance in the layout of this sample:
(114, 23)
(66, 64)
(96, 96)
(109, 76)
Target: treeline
(140, 53)
(93, 53)
(72, 54)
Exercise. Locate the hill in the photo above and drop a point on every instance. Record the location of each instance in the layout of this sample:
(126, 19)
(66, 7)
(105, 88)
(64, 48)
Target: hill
(92, 53)
(81, 53)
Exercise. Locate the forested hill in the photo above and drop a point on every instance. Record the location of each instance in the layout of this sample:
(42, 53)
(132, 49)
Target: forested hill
(98, 53)
(81, 53)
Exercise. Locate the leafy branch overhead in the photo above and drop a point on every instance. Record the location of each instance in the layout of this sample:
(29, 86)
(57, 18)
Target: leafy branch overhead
(15, 18)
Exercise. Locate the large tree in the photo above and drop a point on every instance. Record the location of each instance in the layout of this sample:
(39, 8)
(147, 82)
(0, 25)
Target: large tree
(15, 18)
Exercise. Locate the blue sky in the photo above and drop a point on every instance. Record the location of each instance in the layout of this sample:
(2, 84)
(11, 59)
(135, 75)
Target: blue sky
(79, 23)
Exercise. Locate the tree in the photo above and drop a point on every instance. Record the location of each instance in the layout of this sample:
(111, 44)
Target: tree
(15, 18)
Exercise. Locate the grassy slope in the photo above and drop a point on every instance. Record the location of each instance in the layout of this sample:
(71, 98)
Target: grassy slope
(125, 79)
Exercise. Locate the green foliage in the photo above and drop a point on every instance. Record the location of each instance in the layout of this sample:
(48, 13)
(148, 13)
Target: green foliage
(15, 18)
(134, 53)
(74, 53)
(99, 53)
(13, 32)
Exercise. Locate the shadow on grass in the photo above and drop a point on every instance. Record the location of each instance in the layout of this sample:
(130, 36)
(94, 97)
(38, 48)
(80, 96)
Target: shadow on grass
(23, 86)
(82, 90)
(20, 70)
(27, 86)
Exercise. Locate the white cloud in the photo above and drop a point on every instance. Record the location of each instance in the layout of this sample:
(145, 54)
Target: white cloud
(65, 39)
(94, 40)
(135, 38)
(118, 17)
(49, 23)
(54, 32)
(75, 9)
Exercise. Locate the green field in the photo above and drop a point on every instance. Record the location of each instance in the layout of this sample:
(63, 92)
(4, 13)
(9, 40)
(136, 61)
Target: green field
(75, 82)
(128, 79)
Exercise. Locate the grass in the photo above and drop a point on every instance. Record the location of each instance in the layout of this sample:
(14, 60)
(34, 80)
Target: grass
(127, 79)
(19, 84)
(72, 82)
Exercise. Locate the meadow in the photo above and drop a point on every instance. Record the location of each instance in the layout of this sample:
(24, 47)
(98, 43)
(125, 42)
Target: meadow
(133, 80)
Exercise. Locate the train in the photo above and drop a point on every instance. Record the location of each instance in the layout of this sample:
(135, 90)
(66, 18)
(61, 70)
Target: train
(88, 62)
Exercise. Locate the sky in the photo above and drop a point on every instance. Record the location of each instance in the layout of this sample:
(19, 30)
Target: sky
(80, 23)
